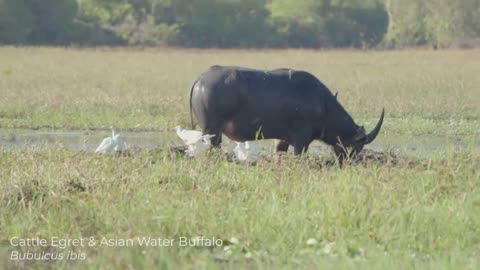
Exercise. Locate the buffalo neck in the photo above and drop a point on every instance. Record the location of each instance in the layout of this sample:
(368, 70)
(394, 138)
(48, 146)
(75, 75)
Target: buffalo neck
(338, 125)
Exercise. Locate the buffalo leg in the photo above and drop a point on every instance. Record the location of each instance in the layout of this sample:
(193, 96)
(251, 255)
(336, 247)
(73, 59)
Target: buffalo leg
(302, 140)
(217, 140)
(281, 146)
(214, 130)
(300, 148)
(301, 144)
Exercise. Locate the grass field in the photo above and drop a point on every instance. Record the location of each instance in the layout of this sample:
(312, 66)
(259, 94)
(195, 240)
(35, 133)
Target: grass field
(407, 213)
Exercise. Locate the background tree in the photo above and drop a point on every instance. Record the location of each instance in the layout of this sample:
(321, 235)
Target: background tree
(215, 23)
(242, 23)
(357, 24)
(16, 22)
(53, 21)
(300, 23)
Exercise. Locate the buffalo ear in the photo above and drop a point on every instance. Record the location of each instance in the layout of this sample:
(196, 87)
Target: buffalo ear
(336, 94)
(360, 135)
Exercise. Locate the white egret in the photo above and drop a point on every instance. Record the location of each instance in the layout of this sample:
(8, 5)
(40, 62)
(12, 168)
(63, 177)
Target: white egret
(188, 136)
(194, 140)
(121, 145)
(245, 152)
(109, 144)
(201, 145)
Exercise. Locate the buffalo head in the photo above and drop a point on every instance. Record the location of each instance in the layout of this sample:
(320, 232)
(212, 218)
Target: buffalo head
(352, 146)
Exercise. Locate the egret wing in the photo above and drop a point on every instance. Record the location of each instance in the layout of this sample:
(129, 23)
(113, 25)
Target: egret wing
(105, 146)
(240, 151)
(206, 139)
(189, 136)
(120, 145)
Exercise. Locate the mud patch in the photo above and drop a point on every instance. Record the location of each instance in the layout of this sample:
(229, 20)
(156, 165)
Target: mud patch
(31, 192)
(368, 156)
(73, 186)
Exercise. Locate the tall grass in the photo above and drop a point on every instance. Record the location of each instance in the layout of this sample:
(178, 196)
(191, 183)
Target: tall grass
(148, 89)
(409, 214)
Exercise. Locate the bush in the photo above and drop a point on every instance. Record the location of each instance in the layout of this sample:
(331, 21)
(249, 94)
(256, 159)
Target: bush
(240, 23)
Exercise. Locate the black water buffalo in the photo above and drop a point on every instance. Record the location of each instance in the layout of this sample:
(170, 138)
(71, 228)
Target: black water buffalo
(291, 106)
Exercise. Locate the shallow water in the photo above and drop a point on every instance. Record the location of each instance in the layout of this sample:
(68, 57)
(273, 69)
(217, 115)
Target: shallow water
(82, 140)
(88, 141)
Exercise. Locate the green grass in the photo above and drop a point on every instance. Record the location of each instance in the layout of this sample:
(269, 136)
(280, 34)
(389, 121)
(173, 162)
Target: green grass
(410, 213)
(423, 91)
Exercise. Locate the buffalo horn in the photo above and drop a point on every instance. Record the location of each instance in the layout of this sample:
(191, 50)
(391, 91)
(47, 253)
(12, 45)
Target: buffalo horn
(373, 134)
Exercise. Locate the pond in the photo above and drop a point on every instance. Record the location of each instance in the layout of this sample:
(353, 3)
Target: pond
(417, 145)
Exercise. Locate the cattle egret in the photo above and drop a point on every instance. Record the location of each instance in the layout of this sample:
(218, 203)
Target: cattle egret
(194, 140)
(312, 242)
(245, 152)
(121, 145)
(201, 145)
(109, 144)
(188, 136)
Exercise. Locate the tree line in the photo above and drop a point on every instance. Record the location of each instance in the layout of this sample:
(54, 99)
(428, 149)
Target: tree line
(241, 23)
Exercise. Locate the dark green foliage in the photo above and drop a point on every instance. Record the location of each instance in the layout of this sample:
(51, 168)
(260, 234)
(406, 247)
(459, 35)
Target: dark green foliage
(94, 34)
(327, 23)
(361, 25)
(441, 23)
(215, 23)
(299, 23)
(241, 23)
(37, 21)
(16, 22)
(53, 21)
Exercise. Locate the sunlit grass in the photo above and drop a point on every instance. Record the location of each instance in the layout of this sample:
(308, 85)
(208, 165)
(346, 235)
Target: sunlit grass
(423, 213)
(148, 90)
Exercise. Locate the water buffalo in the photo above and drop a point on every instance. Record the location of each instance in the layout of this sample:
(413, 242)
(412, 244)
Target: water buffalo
(291, 106)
